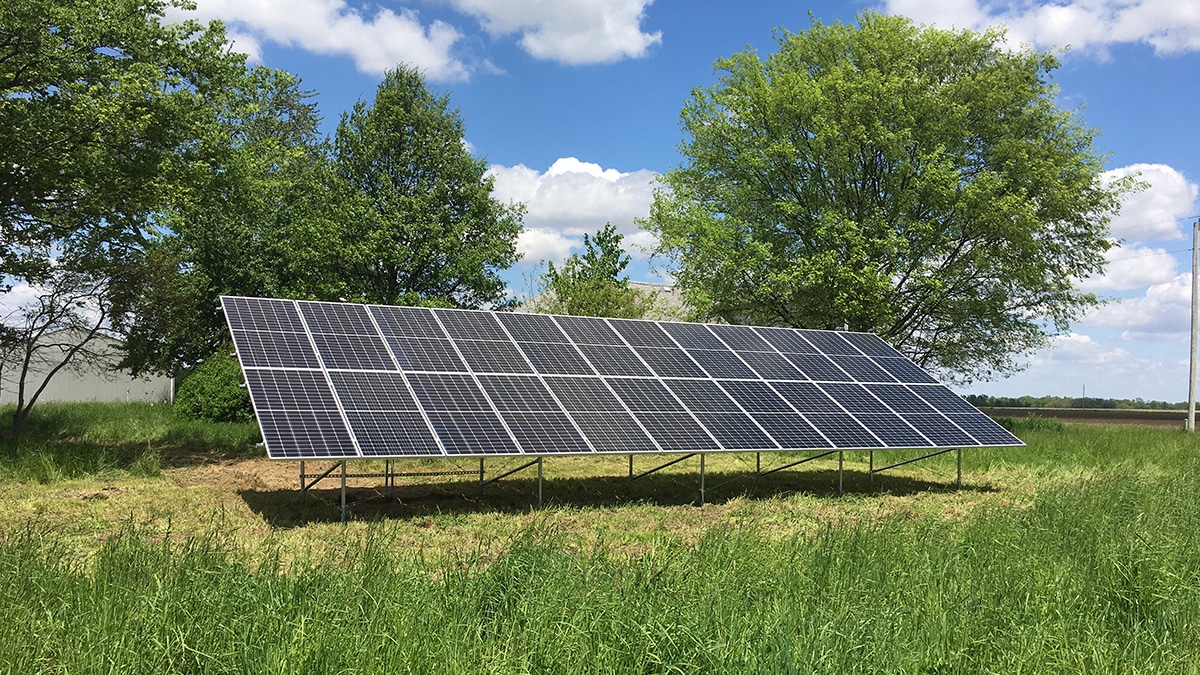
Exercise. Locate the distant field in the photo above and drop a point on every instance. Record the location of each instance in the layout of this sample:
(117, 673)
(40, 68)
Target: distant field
(132, 542)
(1153, 418)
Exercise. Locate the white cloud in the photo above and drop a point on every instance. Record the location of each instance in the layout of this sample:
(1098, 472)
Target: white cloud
(572, 198)
(375, 41)
(1154, 212)
(568, 31)
(1163, 313)
(1074, 362)
(1132, 267)
(1169, 26)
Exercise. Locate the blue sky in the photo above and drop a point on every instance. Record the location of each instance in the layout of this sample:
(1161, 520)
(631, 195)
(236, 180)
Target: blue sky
(575, 106)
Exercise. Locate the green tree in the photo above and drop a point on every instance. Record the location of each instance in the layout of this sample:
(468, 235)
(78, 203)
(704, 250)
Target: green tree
(427, 228)
(592, 284)
(917, 183)
(264, 224)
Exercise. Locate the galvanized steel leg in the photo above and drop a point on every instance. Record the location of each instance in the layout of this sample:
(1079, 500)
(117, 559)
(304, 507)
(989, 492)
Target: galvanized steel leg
(539, 482)
(840, 467)
(481, 475)
(631, 471)
(303, 487)
(757, 467)
(343, 493)
(701, 479)
(960, 468)
(871, 468)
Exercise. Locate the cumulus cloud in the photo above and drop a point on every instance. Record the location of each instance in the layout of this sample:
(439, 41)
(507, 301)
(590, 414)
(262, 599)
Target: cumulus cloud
(572, 198)
(1169, 26)
(375, 41)
(1153, 213)
(1164, 312)
(1132, 267)
(568, 31)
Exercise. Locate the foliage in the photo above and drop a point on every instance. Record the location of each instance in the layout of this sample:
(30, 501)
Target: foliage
(985, 401)
(591, 284)
(214, 391)
(425, 227)
(913, 182)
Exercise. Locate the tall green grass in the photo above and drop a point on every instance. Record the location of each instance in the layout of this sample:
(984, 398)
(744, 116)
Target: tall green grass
(101, 440)
(1101, 575)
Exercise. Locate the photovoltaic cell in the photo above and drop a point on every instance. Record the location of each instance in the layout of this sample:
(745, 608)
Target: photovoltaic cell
(643, 333)
(324, 381)
(337, 318)
(610, 360)
(545, 432)
(408, 322)
(472, 433)
(693, 336)
(353, 352)
(468, 325)
(485, 356)
(427, 355)
(277, 316)
(702, 396)
(722, 364)
(672, 362)
(586, 330)
(741, 338)
(532, 328)
(555, 359)
(372, 391)
(578, 394)
(396, 433)
(518, 392)
(829, 342)
(771, 366)
(274, 350)
(862, 369)
(818, 367)
(735, 431)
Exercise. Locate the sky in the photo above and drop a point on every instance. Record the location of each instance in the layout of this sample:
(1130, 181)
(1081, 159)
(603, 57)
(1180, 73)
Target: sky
(575, 106)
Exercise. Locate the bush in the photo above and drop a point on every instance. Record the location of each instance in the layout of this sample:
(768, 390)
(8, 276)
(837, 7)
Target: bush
(214, 392)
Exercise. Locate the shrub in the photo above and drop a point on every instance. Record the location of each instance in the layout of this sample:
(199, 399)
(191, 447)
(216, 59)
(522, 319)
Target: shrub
(214, 392)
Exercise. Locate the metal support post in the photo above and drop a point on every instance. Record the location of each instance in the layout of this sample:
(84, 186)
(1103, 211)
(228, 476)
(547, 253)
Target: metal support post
(303, 488)
(481, 475)
(757, 467)
(631, 471)
(702, 479)
(540, 482)
(343, 493)
(840, 466)
(871, 467)
(1191, 416)
(960, 468)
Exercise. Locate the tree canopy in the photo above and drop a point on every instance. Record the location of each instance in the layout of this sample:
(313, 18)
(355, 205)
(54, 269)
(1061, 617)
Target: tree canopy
(918, 183)
(594, 284)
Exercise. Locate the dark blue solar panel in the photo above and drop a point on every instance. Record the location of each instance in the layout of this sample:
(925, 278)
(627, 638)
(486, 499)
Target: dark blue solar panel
(610, 360)
(409, 322)
(854, 398)
(862, 369)
(722, 364)
(985, 431)
(447, 392)
(677, 432)
(396, 433)
(702, 396)
(428, 355)
(870, 344)
(786, 340)
(337, 318)
(274, 350)
(792, 432)
(485, 356)
(818, 367)
(843, 430)
(372, 391)
(735, 431)
(467, 325)
(289, 390)
(693, 336)
(669, 362)
(943, 399)
(905, 371)
(899, 398)
(806, 397)
(755, 396)
(544, 432)
(642, 333)
(940, 430)
(829, 342)
(304, 434)
(518, 392)
(771, 366)
(532, 328)
(644, 394)
(742, 338)
(555, 359)
(892, 430)
(614, 432)
(587, 330)
(584, 394)
(277, 316)
(353, 352)
(472, 433)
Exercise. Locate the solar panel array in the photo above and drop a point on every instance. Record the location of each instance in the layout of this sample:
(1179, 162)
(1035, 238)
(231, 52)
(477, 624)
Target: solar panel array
(339, 380)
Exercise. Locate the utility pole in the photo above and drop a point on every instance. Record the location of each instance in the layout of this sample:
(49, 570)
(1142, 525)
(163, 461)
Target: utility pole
(1191, 419)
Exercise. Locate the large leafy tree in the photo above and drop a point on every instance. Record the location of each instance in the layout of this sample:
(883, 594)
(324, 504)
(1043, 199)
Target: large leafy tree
(427, 228)
(914, 182)
(594, 283)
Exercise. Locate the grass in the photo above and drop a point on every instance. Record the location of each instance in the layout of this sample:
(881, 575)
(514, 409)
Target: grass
(1077, 554)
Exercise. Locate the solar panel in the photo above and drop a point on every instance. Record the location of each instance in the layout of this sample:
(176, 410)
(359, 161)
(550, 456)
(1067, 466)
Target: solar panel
(339, 380)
